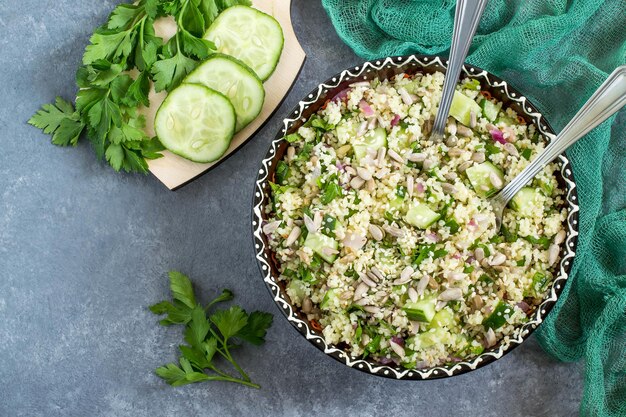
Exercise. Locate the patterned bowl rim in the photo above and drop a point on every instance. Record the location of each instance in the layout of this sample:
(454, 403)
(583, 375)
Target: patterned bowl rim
(263, 255)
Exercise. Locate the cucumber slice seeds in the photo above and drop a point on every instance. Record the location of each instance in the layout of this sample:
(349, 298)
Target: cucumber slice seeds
(236, 81)
(196, 123)
(249, 35)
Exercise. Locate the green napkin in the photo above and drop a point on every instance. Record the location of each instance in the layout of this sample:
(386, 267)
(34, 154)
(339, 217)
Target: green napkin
(557, 52)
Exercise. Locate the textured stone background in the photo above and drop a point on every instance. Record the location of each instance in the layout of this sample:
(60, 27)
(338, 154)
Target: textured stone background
(84, 251)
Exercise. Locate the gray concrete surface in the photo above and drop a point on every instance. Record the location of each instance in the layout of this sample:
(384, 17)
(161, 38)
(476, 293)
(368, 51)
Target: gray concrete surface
(84, 251)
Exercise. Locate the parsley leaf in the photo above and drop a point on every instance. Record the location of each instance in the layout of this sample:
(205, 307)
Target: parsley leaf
(168, 73)
(59, 120)
(207, 339)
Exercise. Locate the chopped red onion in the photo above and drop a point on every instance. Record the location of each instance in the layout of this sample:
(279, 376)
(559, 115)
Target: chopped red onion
(457, 255)
(433, 237)
(397, 340)
(366, 109)
(420, 188)
(523, 306)
(385, 360)
(472, 223)
(342, 95)
(395, 120)
(497, 135)
(454, 359)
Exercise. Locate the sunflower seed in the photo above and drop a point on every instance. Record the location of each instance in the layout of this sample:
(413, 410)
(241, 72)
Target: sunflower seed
(454, 152)
(307, 305)
(317, 220)
(360, 291)
(380, 159)
(452, 127)
(310, 224)
(346, 295)
(440, 305)
(370, 185)
(464, 131)
(456, 276)
(413, 294)
(327, 251)
(464, 166)
(357, 182)
(490, 338)
(401, 281)
(293, 236)
(406, 97)
(478, 302)
(377, 273)
(511, 149)
(410, 184)
(371, 309)
(394, 155)
(491, 126)
(406, 273)
(368, 281)
(495, 180)
(498, 259)
(559, 238)
(553, 254)
(271, 227)
(393, 230)
(478, 157)
(422, 284)
(451, 294)
(416, 157)
(485, 263)
(364, 173)
(362, 129)
(432, 284)
(479, 254)
(398, 350)
(451, 141)
(371, 125)
(427, 127)
(376, 232)
(451, 176)
(350, 170)
(448, 188)
(473, 119)
(380, 294)
(291, 153)
(362, 301)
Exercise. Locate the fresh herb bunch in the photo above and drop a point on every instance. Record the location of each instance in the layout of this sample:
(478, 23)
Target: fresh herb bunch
(207, 337)
(110, 93)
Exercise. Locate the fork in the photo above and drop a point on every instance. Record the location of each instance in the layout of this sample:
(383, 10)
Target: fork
(466, 17)
(607, 100)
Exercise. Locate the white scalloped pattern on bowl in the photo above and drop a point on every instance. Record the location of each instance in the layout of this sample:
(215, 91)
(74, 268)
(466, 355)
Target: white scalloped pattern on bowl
(520, 334)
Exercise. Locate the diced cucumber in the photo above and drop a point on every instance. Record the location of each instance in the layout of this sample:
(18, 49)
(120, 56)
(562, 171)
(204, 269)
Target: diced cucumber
(525, 201)
(538, 286)
(196, 123)
(236, 81)
(399, 140)
(480, 178)
(432, 337)
(345, 131)
(443, 318)
(374, 139)
(490, 109)
(420, 215)
(249, 35)
(421, 310)
(499, 316)
(317, 242)
(462, 106)
(546, 186)
(296, 290)
(329, 298)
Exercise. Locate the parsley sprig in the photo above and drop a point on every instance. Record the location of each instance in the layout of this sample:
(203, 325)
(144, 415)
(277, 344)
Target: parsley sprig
(209, 337)
(119, 65)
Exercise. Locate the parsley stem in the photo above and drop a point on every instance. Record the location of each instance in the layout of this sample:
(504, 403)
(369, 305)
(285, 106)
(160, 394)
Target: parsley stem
(235, 364)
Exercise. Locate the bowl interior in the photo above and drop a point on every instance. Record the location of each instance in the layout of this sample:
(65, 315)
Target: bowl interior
(384, 69)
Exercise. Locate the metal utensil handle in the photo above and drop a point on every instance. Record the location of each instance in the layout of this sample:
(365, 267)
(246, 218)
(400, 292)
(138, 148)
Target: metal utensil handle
(466, 18)
(607, 100)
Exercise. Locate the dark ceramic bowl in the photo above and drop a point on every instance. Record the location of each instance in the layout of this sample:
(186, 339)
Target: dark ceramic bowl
(383, 69)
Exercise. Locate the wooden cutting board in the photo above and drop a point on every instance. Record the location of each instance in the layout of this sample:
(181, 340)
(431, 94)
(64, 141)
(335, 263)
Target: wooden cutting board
(174, 171)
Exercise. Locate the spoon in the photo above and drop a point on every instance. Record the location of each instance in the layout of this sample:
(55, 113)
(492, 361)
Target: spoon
(607, 100)
(466, 18)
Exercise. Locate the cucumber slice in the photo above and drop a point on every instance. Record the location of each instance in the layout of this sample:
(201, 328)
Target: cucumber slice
(420, 215)
(196, 123)
(400, 140)
(443, 318)
(490, 109)
(480, 178)
(296, 290)
(374, 139)
(345, 131)
(249, 35)
(462, 106)
(422, 310)
(432, 337)
(317, 242)
(525, 201)
(236, 81)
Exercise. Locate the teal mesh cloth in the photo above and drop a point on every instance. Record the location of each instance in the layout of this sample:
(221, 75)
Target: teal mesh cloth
(557, 52)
